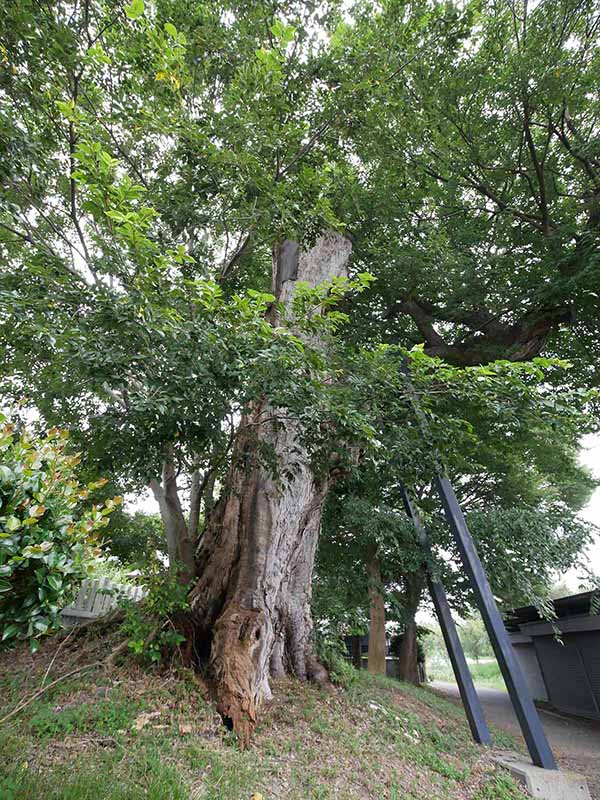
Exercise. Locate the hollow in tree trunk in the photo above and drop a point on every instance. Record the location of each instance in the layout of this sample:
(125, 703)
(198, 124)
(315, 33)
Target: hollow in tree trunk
(251, 601)
(377, 643)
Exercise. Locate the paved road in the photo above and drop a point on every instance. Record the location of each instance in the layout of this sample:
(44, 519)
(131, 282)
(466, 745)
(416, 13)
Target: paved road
(571, 736)
(575, 742)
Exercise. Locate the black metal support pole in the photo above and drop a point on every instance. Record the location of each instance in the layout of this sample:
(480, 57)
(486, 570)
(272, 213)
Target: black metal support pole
(526, 712)
(468, 694)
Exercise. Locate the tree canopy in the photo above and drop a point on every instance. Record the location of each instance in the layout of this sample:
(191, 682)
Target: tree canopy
(228, 231)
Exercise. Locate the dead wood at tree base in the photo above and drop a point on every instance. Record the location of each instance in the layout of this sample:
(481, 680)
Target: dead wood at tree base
(251, 602)
(235, 648)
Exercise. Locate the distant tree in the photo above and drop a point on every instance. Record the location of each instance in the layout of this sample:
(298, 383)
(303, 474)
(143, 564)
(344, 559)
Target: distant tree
(134, 538)
(517, 477)
(474, 638)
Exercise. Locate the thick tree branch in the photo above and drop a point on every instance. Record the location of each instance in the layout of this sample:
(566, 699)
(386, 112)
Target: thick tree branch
(491, 338)
(179, 542)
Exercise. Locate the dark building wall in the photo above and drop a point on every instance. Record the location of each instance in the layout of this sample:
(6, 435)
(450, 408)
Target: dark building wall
(528, 659)
(569, 679)
(569, 667)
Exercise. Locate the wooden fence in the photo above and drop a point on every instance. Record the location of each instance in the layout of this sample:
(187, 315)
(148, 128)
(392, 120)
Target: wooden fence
(97, 597)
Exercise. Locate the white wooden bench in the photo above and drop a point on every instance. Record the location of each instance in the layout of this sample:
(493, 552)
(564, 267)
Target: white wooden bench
(97, 597)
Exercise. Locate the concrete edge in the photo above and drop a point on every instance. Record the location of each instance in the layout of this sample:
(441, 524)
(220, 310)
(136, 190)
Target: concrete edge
(547, 784)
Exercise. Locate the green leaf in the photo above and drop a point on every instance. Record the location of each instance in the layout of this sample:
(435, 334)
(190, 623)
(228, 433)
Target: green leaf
(171, 30)
(366, 278)
(135, 9)
(5, 586)
(66, 108)
(6, 474)
(13, 524)
(10, 631)
(54, 582)
(288, 34)
(277, 29)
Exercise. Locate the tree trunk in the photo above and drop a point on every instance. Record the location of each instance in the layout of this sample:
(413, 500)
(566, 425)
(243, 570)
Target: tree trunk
(251, 602)
(195, 503)
(180, 543)
(408, 666)
(208, 495)
(377, 643)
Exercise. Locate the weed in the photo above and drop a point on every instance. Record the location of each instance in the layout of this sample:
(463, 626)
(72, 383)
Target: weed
(150, 626)
(501, 787)
(106, 717)
(331, 653)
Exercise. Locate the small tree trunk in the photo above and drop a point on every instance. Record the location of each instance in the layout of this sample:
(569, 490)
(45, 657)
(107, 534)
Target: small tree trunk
(377, 643)
(408, 666)
(180, 544)
(195, 503)
(251, 602)
(208, 495)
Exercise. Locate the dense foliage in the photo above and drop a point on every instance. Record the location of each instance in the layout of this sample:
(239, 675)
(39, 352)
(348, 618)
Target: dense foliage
(133, 539)
(47, 536)
(152, 627)
(510, 447)
(155, 155)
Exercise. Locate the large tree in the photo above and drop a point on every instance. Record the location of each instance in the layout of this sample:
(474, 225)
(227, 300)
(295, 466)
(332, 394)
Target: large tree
(178, 178)
(483, 195)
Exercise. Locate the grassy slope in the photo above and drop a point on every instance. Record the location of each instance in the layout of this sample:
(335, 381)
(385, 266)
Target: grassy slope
(133, 735)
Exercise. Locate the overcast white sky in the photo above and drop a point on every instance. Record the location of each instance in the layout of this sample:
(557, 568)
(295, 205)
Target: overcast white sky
(590, 456)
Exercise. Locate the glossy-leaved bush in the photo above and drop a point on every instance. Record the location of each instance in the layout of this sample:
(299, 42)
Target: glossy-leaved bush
(47, 535)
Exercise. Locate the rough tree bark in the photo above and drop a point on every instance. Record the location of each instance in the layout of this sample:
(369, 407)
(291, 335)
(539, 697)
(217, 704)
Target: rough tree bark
(377, 644)
(408, 665)
(195, 504)
(251, 602)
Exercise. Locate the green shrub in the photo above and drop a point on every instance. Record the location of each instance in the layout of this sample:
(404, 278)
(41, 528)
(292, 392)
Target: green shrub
(151, 627)
(46, 538)
(133, 538)
(331, 652)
